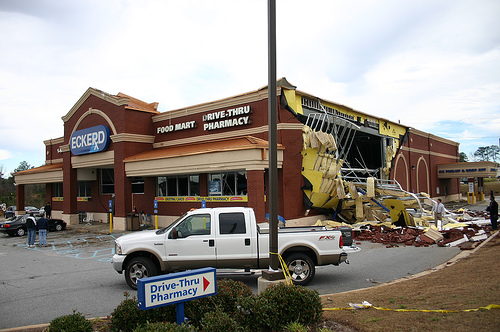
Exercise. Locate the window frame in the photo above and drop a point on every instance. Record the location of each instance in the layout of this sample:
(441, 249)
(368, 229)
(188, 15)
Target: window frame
(229, 184)
(178, 185)
(109, 176)
(87, 189)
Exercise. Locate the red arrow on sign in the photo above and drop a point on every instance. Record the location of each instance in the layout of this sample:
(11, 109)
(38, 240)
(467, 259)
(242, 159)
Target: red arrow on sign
(205, 283)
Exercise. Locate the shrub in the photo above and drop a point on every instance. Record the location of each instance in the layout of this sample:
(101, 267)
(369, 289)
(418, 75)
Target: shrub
(127, 316)
(70, 323)
(161, 314)
(229, 292)
(163, 327)
(196, 309)
(282, 304)
(254, 313)
(295, 327)
(217, 321)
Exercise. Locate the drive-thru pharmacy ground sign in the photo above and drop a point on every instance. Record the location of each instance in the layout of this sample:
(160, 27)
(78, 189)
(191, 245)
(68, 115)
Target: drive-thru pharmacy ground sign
(176, 288)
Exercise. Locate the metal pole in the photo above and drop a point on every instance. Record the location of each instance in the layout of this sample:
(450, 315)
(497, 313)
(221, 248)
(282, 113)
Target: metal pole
(273, 138)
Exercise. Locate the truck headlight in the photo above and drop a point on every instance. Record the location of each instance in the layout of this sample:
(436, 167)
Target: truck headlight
(118, 248)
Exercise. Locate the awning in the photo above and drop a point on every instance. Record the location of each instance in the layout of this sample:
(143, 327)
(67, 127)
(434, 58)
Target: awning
(44, 174)
(480, 169)
(240, 153)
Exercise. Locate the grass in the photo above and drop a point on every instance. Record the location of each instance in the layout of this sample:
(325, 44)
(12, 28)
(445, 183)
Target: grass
(470, 283)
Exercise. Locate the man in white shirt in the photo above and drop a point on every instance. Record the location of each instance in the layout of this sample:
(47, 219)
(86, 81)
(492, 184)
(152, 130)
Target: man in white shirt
(438, 210)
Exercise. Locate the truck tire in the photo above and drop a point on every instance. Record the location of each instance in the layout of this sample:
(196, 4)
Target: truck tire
(301, 268)
(137, 268)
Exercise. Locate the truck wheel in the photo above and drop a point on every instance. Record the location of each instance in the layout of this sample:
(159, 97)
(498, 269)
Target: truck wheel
(137, 268)
(301, 268)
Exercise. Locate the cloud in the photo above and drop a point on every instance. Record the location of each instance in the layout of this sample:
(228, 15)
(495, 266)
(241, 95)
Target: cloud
(425, 63)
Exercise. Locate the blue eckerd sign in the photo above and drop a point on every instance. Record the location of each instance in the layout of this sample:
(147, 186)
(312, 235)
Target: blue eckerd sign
(90, 140)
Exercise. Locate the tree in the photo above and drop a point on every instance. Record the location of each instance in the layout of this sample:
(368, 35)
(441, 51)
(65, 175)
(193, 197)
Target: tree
(494, 152)
(23, 165)
(487, 153)
(463, 157)
(34, 194)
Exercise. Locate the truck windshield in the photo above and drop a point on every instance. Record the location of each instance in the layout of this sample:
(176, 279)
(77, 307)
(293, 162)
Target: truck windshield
(164, 229)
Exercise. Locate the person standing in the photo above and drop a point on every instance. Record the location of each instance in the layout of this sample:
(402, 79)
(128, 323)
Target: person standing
(493, 210)
(31, 228)
(43, 226)
(438, 210)
(48, 210)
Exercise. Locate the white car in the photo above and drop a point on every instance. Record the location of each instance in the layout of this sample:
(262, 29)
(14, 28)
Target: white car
(31, 209)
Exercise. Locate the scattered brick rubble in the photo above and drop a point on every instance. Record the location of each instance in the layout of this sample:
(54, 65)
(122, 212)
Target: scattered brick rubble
(464, 237)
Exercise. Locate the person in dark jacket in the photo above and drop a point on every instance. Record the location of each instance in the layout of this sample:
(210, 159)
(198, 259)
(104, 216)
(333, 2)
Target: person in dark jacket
(43, 226)
(48, 210)
(493, 210)
(31, 228)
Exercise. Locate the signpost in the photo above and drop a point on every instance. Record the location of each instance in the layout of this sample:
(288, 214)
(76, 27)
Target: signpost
(155, 204)
(176, 288)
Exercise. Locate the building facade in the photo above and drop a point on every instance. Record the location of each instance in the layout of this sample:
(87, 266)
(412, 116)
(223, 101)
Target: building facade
(120, 155)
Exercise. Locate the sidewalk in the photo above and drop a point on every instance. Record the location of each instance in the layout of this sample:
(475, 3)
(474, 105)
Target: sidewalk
(98, 228)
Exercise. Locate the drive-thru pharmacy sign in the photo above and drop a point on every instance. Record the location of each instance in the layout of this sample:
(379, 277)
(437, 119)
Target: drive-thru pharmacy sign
(176, 288)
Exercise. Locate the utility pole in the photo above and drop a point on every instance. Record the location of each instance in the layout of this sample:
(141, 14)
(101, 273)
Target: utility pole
(273, 141)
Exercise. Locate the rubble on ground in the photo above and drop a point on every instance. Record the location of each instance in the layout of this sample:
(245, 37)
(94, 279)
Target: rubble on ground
(463, 228)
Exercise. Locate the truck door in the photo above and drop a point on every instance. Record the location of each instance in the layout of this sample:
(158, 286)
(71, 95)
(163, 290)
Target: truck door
(191, 243)
(235, 244)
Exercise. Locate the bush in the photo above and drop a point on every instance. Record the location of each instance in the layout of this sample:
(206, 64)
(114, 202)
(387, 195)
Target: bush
(163, 327)
(280, 305)
(70, 323)
(217, 321)
(229, 292)
(161, 314)
(127, 316)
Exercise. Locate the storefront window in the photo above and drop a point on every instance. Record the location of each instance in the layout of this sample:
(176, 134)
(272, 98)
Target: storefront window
(228, 184)
(84, 189)
(178, 185)
(57, 190)
(107, 181)
(137, 185)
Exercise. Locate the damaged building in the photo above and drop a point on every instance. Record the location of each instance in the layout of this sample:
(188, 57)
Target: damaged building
(121, 155)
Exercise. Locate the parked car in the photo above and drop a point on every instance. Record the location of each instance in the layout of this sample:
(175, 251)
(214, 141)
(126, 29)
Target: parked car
(10, 212)
(17, 225)
(31, 209)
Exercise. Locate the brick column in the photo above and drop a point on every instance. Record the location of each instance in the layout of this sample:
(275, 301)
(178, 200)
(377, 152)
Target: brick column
(255, 188)
(70, 191)
(20, 199)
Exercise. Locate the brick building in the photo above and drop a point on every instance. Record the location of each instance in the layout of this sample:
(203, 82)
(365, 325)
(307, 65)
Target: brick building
(118, 153)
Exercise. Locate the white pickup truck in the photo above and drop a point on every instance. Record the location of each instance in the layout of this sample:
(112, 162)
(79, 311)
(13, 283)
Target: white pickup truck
(224, 238)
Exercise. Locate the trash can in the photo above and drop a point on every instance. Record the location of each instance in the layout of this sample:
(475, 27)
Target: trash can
(346, 235)
(133, 222)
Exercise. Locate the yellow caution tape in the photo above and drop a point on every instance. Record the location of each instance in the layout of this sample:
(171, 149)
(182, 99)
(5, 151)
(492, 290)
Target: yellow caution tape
(286, 272)
(489, 307)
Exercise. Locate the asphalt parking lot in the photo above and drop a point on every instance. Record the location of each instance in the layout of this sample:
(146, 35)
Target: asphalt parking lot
(73, 272)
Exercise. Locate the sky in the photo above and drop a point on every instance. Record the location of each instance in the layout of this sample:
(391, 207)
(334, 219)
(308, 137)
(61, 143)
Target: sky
(431, 65)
